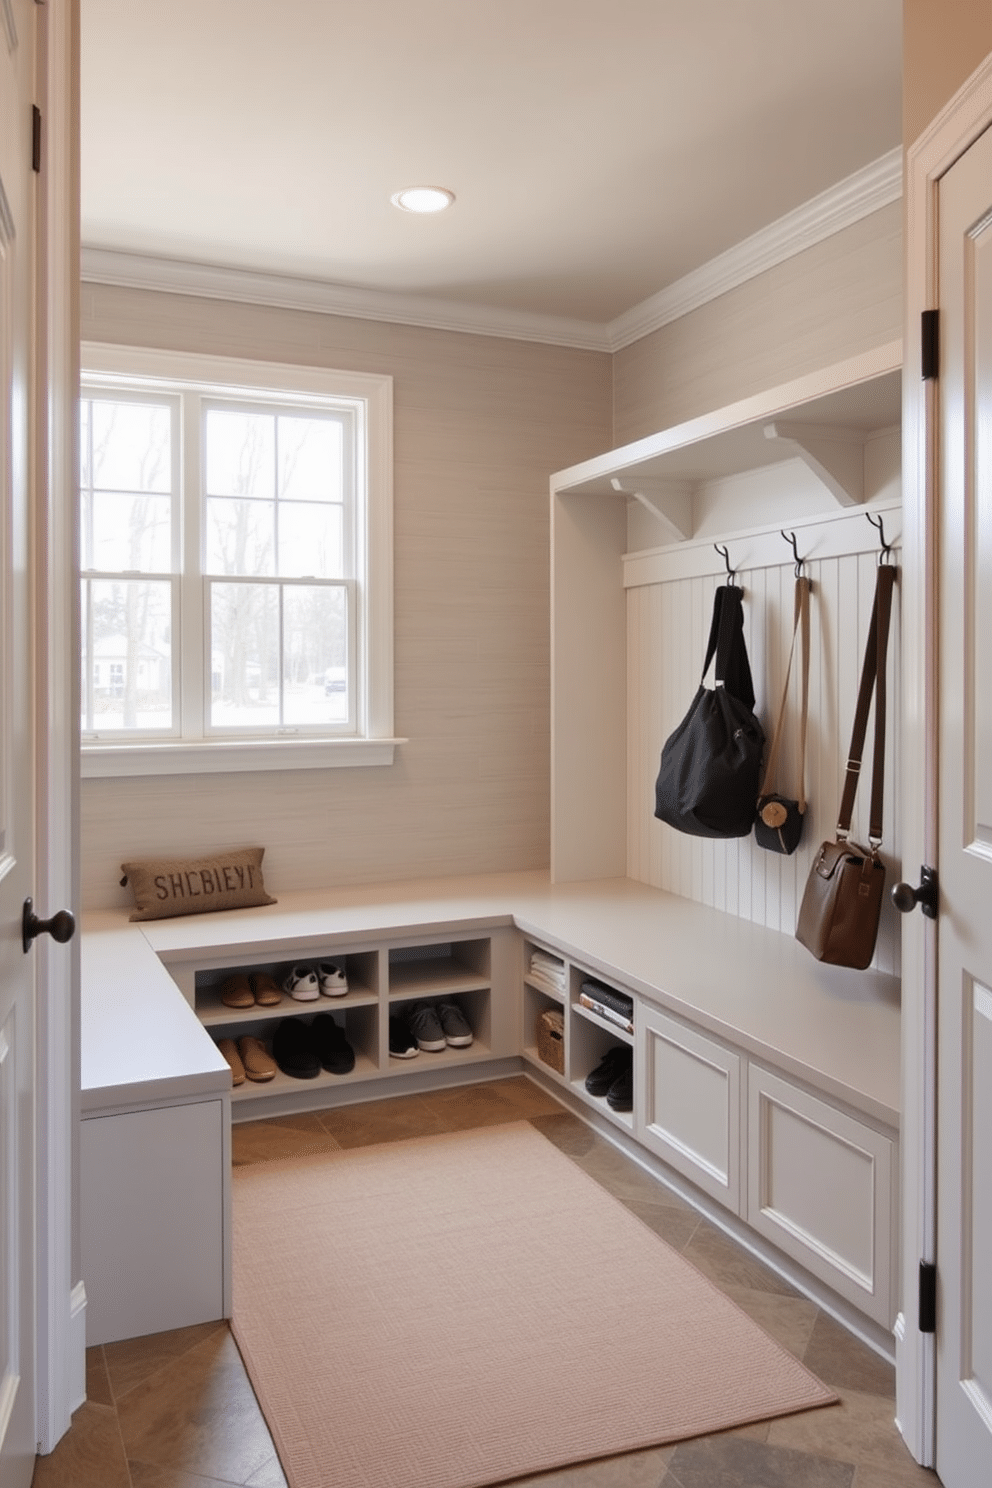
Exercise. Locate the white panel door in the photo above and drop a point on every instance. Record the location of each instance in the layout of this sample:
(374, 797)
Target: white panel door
(17, 1280)
(964, 1074)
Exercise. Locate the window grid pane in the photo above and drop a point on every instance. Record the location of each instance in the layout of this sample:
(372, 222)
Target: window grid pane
(127, 656)
(275, 493)
(280, 656)
(128, 506)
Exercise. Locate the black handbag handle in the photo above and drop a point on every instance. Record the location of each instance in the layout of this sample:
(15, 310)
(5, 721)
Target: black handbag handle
(726, 643)
(872, 680)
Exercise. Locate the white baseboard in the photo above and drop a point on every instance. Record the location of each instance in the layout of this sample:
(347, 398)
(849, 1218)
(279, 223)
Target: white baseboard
(77, 1345)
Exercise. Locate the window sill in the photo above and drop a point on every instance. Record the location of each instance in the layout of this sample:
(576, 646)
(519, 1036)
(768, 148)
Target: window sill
(230, 756)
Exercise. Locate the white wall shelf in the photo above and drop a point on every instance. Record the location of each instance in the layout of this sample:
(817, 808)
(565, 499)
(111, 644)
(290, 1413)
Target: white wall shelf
(840, 406)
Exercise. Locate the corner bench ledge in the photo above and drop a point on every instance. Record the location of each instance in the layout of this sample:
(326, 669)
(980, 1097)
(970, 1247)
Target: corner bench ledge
(753, 987)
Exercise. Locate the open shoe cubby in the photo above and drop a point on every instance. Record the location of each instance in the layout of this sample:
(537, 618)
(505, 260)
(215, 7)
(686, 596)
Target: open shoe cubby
(382, 979)
(587, 1037)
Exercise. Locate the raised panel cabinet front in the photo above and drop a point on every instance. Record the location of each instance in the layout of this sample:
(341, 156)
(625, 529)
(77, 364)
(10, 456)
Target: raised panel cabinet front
(687, 1104)
(820, 1187)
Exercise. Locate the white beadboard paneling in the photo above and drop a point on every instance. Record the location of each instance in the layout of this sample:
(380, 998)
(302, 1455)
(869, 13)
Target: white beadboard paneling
(668, 623)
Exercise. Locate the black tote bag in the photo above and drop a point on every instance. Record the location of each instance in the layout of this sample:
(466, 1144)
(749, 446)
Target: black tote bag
(707, 785)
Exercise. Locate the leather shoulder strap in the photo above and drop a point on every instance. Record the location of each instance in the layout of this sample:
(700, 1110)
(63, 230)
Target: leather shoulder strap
(800, 626)
(872, 681)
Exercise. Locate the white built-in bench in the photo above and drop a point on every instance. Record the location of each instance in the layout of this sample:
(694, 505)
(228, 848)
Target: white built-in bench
(766, 1085)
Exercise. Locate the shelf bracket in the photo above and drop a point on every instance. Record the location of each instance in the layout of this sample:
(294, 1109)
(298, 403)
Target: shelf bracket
(675, 511)
(835, 455)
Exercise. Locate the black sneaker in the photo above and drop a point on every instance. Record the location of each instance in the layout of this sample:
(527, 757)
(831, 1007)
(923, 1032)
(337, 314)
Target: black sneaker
(426, 1027)
(293, 1050)
(456, 1030)
(612, 1064)
(402, 1044)
(620, 1096)
(332, 1048)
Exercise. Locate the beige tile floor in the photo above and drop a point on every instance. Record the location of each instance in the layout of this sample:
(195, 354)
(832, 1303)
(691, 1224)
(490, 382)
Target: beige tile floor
(175, 1410)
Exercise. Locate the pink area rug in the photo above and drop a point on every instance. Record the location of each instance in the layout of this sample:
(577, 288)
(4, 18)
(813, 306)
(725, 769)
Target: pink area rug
(458, 1310)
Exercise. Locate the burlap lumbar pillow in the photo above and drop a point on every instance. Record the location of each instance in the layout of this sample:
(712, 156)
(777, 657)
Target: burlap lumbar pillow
(164, 887)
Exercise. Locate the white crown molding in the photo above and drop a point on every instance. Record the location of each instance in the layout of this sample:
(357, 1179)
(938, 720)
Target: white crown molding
(285, 292)
(852, 199)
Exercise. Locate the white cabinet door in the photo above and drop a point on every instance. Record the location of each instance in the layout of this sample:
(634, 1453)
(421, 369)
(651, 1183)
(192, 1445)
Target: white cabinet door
(687, 1103)
(820, 1188)
(153, 1231)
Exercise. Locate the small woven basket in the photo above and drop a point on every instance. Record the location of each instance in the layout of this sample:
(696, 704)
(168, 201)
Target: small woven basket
(551, 1039)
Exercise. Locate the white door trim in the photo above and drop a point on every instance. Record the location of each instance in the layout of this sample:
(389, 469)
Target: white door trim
(958, 124)
(61, 1332)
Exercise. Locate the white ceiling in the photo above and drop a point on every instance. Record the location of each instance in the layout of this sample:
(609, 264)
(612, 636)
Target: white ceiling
(599, 149)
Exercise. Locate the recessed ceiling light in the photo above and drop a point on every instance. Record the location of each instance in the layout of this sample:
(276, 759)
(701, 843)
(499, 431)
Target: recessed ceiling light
(422, 199)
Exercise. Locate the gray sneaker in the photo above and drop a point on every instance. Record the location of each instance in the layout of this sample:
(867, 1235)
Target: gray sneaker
(456, 1030)
(425, 1027)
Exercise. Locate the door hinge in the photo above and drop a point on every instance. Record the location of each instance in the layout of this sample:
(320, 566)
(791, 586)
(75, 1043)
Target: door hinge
(928, 1297)
(35, 137)
(930, 343)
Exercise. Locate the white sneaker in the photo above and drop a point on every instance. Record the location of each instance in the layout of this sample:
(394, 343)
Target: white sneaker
(333, 982)
(302, 984)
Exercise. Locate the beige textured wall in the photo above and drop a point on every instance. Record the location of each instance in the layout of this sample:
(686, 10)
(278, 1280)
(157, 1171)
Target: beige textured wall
(479, 425)
(839, 298)
(943, 41)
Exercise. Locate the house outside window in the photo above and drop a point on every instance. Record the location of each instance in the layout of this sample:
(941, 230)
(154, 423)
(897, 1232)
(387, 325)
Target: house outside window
(236, 564)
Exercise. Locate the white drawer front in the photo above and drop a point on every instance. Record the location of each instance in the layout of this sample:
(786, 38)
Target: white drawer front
(688, 1104)
(820, 1187)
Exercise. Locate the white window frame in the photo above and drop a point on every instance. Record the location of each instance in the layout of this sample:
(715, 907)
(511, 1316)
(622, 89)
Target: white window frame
(373, 742)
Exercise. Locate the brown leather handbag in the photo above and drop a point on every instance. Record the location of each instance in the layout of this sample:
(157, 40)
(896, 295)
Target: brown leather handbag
(838, 919)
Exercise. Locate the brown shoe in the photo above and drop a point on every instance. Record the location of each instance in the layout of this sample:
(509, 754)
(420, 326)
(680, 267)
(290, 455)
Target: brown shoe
(267, 992)
(229, 1049)
(236, 992)
(258, 1065)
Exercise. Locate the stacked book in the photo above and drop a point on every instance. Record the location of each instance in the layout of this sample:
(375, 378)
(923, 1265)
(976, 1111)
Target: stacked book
(613, 1007)
(547, 972)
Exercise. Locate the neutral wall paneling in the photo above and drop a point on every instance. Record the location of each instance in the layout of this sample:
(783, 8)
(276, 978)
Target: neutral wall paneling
(588, 690)
(667, 627)
(479, 423)
(942, 45)
(836, 300)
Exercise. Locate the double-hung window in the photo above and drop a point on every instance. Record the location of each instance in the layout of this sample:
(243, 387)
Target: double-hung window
(236, 565)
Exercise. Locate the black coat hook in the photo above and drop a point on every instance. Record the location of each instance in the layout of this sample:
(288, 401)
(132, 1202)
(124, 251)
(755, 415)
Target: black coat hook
(790, 538)
(731, 573)
(886, 547)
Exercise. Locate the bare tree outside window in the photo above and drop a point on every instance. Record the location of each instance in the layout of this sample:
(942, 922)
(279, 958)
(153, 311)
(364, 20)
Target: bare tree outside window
(275, 511)
(128, 514)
